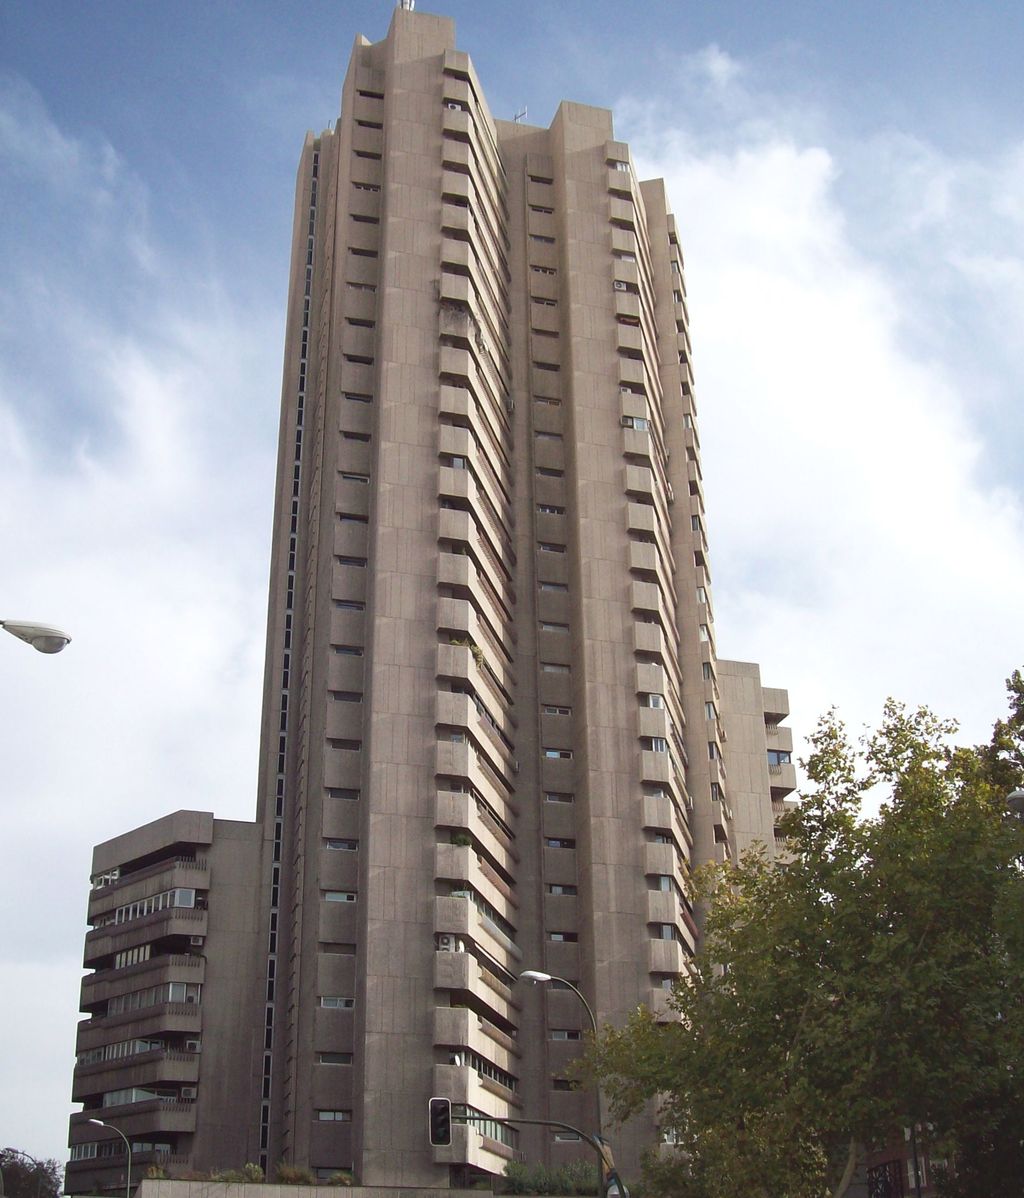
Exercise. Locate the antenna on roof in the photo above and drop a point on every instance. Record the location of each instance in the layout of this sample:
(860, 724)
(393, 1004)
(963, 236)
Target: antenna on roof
(520, 116)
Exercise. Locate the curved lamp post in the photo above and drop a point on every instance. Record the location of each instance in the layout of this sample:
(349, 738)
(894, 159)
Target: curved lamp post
(1015, 802)
(127, 1148)
(40, 1168)
(39, 636)
(538, 977)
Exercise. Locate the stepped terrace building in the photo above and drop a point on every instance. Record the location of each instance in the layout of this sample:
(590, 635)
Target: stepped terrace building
(497, 734)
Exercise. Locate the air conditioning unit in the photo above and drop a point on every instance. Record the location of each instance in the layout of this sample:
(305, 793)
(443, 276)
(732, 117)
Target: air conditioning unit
(453, 107)
(188, 1093)
(447, 944)
(193, 1045)
(197, 941)
(619, 285)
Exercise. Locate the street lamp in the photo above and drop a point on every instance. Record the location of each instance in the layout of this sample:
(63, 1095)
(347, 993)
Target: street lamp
(40, 1169)
(1015, 802)
(539, 977)
(39, 636)
(128, 1149)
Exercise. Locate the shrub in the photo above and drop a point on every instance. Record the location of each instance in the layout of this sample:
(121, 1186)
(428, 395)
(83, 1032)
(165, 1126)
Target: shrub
(293, 1175)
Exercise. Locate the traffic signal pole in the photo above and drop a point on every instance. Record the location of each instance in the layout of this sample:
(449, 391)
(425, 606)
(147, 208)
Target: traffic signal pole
(612, 1185)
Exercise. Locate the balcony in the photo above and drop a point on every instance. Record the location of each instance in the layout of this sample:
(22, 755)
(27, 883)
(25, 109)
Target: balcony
(665, 956)
(782, 779)
(162, 1018)
(455, 862)
(147, 1068)
(461, 918)
(456, 809)
(460, 1027)
(189, 872)
(144, 1120)
(460, 972)
(107, 983)
(116, 937)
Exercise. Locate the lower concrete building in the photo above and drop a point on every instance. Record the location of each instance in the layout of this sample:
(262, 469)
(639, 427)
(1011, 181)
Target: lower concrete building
(497, 735)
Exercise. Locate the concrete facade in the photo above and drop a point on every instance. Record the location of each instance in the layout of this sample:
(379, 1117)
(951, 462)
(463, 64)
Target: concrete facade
(496, 732)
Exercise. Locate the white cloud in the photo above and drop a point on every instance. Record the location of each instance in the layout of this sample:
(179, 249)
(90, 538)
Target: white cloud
(136, 468)
(861, 546)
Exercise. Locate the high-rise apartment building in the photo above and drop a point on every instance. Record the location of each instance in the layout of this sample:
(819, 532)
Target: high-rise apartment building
(496, 732)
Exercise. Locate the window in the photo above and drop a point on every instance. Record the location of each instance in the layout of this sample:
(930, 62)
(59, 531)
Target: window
(553, 667)
(549, 472)
(663, 931)
(558, 754)
(559, 842)
(563, 1083)
(640, 423)
(336, 1002)
(334, 1116)
(561, 889)
(653, 699)
(709, 711)
(716, 792)
(553, 626)
(704, 632)
(713, 752)
(779, 757)
(562, 1033)
(348, 846)
(347, 696)
(350, 604)
(342, 792)
(334, 1058)
(558, 796)
(561, 587)
(660, 882)
(563, 1137)
(343, 743)
(348, 476)
(348, 650)
(352, 518)
(563, 937)
(340, 896)
(654, 744)
(550, 509)
(346, 559)
(550, 547)
(554, 709)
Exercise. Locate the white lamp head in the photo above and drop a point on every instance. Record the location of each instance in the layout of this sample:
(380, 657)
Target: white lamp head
(534, 975)
(39, 636)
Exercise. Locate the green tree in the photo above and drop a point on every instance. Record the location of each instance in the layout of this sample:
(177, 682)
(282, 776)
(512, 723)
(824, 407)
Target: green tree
(23, 1177)
(873, 981)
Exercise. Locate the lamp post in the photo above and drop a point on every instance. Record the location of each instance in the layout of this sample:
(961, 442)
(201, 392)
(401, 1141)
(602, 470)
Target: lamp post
(40, 1168)
(127, 1148)
(40, 636)
(539, 977)
(1015, 802)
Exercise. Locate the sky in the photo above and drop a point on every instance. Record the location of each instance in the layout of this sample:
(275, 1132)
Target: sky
(849, 186)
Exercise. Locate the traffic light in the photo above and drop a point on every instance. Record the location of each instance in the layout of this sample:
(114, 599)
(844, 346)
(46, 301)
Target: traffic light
(440, 1122)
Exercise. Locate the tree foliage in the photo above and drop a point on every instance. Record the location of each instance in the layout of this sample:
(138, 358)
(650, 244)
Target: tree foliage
(24, 1177)
(873, 981)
